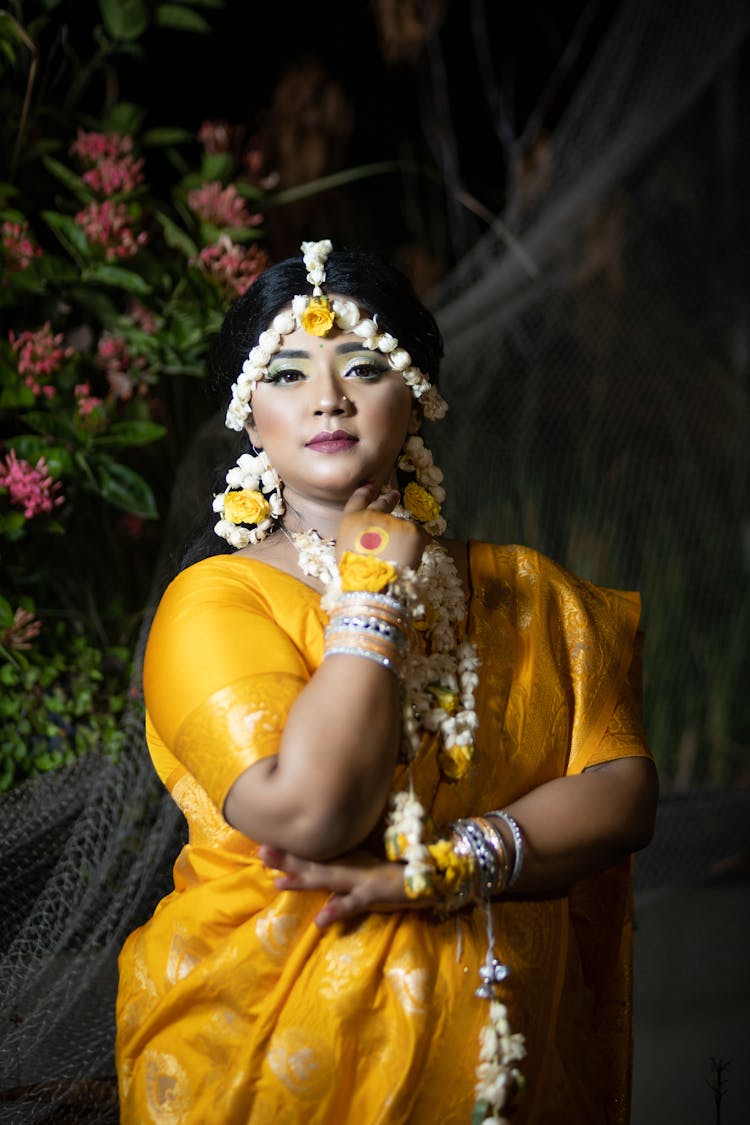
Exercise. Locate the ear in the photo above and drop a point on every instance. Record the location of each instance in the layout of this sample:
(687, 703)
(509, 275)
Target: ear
(252, 432)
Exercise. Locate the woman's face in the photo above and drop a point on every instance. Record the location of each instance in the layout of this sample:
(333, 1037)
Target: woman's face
(331, 415)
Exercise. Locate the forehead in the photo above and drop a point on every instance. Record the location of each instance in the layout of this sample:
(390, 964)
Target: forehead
(299, 344)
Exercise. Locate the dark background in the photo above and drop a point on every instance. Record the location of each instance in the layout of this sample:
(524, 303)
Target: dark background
(459, 91)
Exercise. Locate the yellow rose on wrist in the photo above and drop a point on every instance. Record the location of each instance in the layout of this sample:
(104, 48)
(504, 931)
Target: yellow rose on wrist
(363, 572)
(454, 762)
(246, 506)
(317, 319)
(418, 501)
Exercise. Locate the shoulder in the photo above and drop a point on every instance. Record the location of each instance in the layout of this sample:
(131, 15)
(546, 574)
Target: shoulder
(218, 579)
(512, 574)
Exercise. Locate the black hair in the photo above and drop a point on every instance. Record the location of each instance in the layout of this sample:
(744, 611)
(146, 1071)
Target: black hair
(379, 288)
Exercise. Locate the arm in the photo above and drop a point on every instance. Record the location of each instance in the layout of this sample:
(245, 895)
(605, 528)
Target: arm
(573, 827)
(325, 790)
(576, 826)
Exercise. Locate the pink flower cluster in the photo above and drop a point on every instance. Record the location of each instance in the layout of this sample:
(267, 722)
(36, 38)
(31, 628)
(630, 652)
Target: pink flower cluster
(30, 487)
(112, 176)
(234, 268)
(93, 148)
(40, 354)
(120, 367)
(86, 401)
(215, 136)
(22, 632)
(106, 224)
(112, 169)
(19, 249)
(221, 206)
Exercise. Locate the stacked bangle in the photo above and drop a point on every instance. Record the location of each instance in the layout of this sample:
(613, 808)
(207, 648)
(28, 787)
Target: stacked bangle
(371, 625)
(476, 849)
(517, 840)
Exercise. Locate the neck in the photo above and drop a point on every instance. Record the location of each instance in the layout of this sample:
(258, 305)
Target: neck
(310, 515)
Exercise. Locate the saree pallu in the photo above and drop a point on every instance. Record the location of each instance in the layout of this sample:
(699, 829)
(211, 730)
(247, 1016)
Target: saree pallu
(234, 1008)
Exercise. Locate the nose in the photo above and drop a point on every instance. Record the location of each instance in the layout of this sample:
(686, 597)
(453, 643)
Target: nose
(331, 399)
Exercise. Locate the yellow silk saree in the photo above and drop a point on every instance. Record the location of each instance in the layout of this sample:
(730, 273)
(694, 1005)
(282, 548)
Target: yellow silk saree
(234, 1008)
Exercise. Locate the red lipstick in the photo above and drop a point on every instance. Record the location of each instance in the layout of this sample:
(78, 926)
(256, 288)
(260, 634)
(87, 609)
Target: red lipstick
(336, 441)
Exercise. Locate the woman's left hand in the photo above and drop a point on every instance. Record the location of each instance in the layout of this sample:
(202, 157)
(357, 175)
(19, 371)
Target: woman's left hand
(358, 883)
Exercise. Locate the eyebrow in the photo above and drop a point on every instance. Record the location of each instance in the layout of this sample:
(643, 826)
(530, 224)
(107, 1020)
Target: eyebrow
(301, 353)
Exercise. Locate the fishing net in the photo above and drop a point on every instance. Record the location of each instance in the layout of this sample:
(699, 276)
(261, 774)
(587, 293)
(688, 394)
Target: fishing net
(598, 341)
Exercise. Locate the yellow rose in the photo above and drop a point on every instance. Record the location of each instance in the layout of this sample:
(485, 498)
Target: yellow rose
(454, 870)
(395, 844)
(418, 501)
(363, 572)
(317, 319)
(455, 762)
(444, 697)
(246, 506)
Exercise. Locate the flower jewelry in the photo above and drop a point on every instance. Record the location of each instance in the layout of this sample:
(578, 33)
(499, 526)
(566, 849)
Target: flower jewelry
(253, 496)
(318, 314)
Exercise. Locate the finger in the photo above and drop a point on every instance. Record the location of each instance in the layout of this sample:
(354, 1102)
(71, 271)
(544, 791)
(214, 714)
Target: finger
(361, 497)
(385, 502)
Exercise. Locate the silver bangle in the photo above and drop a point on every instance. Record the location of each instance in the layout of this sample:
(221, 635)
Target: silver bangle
(378, 658)
(517, 840)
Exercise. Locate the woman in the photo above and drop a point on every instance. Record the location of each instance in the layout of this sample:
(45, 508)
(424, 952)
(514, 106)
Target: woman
(414, 771)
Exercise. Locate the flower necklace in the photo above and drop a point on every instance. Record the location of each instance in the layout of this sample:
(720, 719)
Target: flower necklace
(441, 675)
(438, 696)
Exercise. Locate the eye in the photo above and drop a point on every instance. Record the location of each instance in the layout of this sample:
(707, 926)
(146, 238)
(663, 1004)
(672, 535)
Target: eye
(285, 376)
(366, 369)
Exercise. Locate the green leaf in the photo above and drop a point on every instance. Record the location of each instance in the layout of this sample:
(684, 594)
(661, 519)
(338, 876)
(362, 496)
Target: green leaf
(30, 448)
(249, 191)
(124, 19)
(479, 1113)
(166, 135)
(215, 166)
(6, 613)
(67, 177)
(172, 15)
(124, 118)
(131, 433)
(175, 237)
(54, 425)
(125, 488)
(69, 234)
(12, 524)
(117, 277)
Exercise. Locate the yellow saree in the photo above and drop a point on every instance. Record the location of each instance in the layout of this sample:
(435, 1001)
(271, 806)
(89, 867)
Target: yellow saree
(233, 1007)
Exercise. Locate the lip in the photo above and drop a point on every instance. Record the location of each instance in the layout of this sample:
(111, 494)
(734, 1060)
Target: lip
(332, 441)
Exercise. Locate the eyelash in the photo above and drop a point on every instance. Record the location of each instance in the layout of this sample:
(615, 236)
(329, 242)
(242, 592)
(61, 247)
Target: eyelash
(362, 370)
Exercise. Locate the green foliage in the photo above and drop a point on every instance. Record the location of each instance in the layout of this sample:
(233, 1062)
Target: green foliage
(109, 315)
(59, 700)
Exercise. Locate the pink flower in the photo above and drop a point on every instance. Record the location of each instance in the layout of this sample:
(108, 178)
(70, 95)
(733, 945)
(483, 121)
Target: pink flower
(22, 632)
(114, 356)
(18, 248)
(231, 266)
(85, 400)
(143, 317)
(30, 487)
(111, 176)
(215, 136)
(40, 354)
(223, 207)
(106, 224)
(93, 148)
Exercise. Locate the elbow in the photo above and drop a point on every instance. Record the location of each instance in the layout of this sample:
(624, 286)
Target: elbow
(316, 825)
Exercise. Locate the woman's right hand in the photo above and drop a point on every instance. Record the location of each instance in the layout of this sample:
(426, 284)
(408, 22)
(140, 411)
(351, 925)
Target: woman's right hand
(367, 527)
